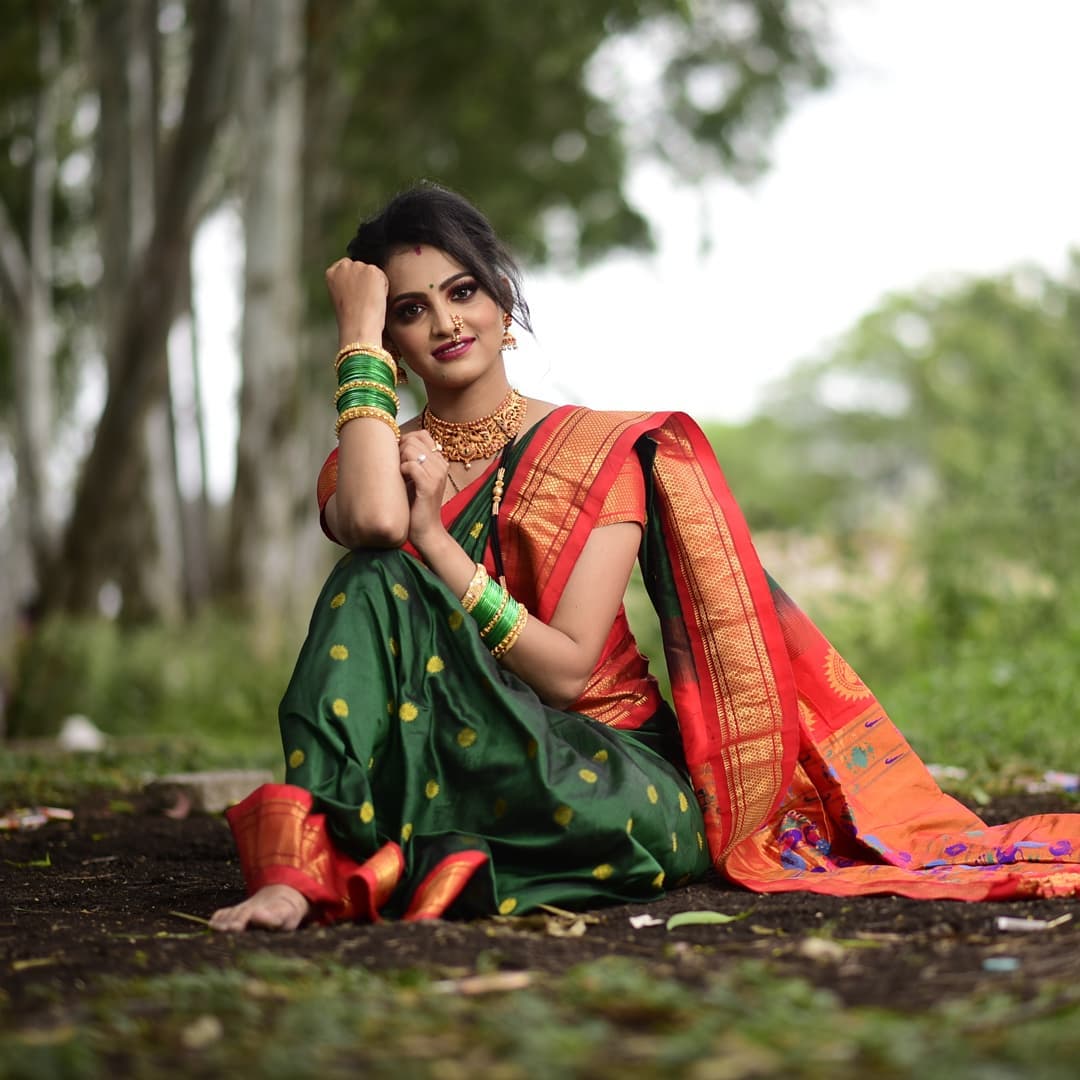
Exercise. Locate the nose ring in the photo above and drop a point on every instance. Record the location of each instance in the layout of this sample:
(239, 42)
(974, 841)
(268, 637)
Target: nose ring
(459, 323)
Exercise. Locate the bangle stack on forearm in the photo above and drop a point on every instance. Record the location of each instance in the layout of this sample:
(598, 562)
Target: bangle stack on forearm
(367, 376)
(500, 617)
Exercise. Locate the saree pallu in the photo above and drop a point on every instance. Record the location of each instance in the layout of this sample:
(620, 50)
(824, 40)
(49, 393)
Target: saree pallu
(804, 782)
(424, 779)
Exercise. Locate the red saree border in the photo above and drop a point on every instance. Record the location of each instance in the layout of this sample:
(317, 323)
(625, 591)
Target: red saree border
(559, 487)
(443, 885)
(735, 694)
(281, 842)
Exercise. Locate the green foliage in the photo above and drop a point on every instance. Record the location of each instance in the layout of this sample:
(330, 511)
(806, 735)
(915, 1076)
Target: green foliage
(775, 485)
(272, 1016)
(218, 676)
(512, 111)
(957, 410)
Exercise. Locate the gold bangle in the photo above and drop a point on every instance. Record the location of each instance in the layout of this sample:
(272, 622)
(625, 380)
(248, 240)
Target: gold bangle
(368, 412)
(471, 596)
(362, 347)
(510, 640)
(365, 384)
(498, 614)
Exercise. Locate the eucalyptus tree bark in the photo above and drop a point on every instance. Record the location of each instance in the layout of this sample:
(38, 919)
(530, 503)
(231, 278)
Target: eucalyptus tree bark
(26, 286)
(198, 565)
(144, 555)
(271, 466)
(111, 483)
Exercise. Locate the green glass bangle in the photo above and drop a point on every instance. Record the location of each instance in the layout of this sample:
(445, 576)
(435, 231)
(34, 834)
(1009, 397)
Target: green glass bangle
(487, 606)
(366, 396)
(368, 376)
(503, 605)
(366, 367)
(362, 397)
(503, 625)
(370, 396)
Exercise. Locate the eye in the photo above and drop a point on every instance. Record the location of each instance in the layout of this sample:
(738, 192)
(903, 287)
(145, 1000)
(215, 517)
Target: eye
(463, 290)
(406, 311)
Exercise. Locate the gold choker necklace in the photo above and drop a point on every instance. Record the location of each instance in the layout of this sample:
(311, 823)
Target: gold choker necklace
(477, 439)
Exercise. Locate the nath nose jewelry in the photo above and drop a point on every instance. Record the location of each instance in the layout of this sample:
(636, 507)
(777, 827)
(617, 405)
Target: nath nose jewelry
(458, 322)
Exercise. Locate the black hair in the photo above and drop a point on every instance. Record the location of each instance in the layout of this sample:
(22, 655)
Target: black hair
(430, 214)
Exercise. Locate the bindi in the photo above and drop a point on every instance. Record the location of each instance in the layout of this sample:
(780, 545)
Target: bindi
(418, 250)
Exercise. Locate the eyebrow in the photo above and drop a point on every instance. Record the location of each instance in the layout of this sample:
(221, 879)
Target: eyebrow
(442, 285)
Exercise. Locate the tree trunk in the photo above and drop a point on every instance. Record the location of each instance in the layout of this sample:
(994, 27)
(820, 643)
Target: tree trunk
(111, 482)
(29, 283)
(261, 551)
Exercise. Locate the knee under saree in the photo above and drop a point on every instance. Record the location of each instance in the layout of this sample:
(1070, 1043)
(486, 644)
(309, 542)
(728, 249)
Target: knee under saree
(800, 780)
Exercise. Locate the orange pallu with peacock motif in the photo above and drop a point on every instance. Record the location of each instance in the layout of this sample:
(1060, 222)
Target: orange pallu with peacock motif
(804, 782)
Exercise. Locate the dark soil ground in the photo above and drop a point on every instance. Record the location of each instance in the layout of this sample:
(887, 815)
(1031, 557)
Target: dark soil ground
(99, 896)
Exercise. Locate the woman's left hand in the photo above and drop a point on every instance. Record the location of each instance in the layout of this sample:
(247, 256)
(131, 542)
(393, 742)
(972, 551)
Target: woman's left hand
(425, 470)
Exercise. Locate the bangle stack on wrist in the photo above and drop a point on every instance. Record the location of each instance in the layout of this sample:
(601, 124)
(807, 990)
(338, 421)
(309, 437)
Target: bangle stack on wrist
(500, 617)
(367, 376)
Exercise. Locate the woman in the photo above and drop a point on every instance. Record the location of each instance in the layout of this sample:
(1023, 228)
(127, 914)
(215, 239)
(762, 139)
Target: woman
(470, 727)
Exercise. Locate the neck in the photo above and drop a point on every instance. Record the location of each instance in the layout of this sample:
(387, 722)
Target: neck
(460, 405)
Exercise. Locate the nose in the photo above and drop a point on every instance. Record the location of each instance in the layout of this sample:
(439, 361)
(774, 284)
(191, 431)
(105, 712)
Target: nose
(442, 321)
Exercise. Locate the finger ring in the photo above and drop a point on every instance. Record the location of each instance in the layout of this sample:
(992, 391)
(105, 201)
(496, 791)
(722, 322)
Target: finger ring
(421, 458)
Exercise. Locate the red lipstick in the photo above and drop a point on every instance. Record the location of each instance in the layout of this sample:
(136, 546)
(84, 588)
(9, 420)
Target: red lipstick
(453, 350)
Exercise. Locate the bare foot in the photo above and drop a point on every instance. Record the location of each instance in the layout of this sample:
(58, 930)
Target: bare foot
(273, 907)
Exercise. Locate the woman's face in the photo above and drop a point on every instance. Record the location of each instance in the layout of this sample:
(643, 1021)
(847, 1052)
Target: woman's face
(445, 326)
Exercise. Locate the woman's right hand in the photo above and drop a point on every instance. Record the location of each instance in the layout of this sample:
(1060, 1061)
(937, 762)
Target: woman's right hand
(358, 291)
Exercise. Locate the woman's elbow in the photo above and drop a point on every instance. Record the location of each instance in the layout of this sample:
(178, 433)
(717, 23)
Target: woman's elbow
(566, 692)
(373, 531)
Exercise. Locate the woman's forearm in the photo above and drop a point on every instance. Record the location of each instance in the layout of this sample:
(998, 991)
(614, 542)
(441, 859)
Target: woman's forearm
(370, 507)
(554, 664)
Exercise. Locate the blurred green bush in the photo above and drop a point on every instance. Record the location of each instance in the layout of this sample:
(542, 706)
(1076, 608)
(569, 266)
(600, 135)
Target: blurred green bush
(219, 675)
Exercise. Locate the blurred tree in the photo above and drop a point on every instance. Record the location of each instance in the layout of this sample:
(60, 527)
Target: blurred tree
(261, 540)
(31, 65)
(958, 411)
(534, 116)
(530, 117)
(152, 266)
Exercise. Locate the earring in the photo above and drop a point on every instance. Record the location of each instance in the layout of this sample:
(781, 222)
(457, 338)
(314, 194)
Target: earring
(508, 339)
(402, 374)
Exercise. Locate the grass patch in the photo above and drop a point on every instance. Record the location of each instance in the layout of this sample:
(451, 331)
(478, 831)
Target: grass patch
(219, 673)
(38, 774)
(295, 1018)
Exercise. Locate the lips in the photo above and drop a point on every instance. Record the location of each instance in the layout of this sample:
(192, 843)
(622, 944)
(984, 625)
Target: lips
(453, 350)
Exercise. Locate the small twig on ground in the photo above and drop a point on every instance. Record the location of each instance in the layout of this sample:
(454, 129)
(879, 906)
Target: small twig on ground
(191, 918)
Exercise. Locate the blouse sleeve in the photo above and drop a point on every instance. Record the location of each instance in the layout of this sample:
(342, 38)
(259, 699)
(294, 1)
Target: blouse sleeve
(626, 499)
(326, 486)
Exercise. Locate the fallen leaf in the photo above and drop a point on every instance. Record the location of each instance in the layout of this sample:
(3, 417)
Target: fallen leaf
(638, 921)
(47, 861)
(559, 928)
(495, 982)
(563, 914)
(816, 948)
(1006, 922)
(202, 1032)
(701, 918)
(33, 962)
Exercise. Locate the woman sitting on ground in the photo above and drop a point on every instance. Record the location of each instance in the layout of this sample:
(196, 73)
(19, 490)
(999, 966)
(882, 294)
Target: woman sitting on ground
(470, 727)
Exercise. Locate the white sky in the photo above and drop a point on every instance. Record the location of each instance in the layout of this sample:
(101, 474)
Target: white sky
(948, 144)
